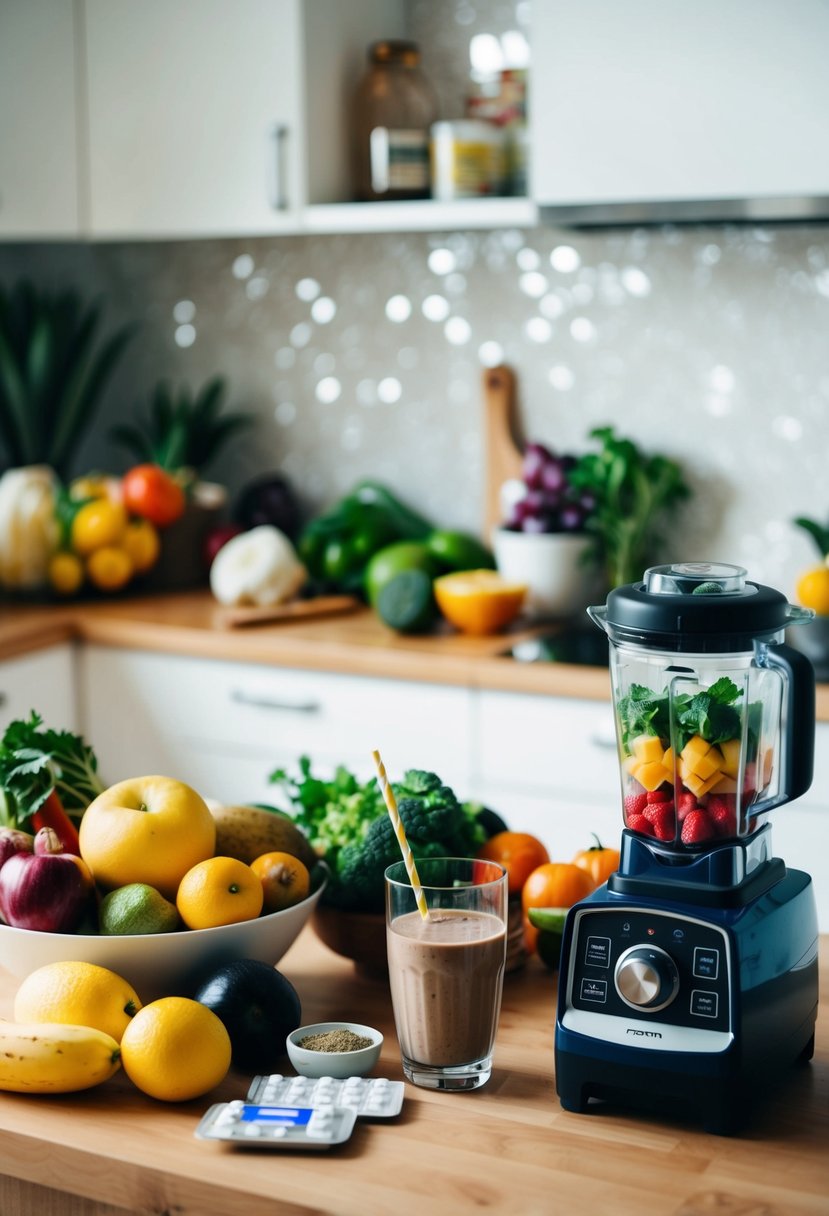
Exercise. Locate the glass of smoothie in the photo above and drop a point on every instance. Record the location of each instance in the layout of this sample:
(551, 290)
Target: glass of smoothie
(446, 970)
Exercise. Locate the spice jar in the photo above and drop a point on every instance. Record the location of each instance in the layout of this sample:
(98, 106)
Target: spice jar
(468, 159)
(393, 111)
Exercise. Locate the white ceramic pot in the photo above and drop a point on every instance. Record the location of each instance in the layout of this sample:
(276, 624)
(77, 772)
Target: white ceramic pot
(560, 583)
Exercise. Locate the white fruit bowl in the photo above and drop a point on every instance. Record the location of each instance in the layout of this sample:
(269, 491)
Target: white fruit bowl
(161, 964)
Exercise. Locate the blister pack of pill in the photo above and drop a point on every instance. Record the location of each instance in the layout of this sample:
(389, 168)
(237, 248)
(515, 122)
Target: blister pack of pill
(276, 1125)
(368, 1097)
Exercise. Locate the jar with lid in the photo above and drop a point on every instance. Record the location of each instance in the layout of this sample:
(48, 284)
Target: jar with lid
(394, 109)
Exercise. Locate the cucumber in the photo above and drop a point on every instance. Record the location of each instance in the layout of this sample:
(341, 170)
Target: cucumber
(406, 603)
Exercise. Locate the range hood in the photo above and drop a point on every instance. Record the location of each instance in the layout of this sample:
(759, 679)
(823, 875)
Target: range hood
(657, 111)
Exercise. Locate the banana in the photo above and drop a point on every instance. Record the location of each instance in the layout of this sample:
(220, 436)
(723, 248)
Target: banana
(50, 1058)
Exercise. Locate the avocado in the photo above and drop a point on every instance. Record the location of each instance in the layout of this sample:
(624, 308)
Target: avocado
(259, 1008)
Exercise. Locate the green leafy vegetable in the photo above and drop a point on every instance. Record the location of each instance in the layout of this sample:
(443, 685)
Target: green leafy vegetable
(633, 493)
(35, 763)
(710, 713)
(818, 533)
(348, 826)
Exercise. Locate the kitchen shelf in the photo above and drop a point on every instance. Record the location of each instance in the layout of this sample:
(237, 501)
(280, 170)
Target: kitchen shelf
(420, 216)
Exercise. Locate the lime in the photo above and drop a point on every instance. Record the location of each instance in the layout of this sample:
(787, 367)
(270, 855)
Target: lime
(394, 559)
(406, 603)
(459, 551)
(137, 908)
(550, 925)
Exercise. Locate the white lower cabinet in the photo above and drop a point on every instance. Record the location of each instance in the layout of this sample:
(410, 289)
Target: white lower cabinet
(549, 766)
(44, 681)
(224, 726)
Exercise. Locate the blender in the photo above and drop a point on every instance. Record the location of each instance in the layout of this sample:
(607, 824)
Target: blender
(689, 981)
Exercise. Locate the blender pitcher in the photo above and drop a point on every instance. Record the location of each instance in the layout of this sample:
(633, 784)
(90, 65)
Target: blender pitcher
(714, 713)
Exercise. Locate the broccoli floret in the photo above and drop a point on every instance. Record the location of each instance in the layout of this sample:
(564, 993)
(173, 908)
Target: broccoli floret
(416, 781)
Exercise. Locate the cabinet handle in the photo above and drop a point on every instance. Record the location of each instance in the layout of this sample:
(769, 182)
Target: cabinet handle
(291, 707)
(279, 179)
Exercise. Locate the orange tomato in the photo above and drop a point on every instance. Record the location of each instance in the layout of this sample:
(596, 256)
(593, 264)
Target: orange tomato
(598, 862)
(518, 852)
(151, 493)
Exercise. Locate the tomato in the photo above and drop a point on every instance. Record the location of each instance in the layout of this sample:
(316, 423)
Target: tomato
(518, 852)
(598, 862)
(151, 493)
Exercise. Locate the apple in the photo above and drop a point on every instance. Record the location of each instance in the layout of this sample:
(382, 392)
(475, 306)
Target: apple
(147, 829)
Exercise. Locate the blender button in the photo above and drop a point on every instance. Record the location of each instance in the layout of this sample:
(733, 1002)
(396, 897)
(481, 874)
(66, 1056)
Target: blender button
(597, 952)
(704, 1004)
(706, 963)
(594, 990)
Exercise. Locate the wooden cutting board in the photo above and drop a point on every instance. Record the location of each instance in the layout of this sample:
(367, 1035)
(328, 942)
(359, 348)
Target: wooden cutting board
(504, 443)
(294, 610)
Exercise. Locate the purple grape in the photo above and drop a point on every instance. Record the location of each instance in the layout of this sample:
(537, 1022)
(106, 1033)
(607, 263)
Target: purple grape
(534, 524)
(553, 478)
(587, 502)
(536, 459)
(571, 518)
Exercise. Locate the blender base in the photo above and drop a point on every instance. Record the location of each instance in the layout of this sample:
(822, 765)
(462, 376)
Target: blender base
(679, 1059)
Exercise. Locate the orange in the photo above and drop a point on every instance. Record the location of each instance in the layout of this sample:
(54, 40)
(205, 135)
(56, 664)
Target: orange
(219, 891)
(175, 1049)
(66, 573)
(556, 884)
(518, 852)
(478, 601)
(109, 568)
(98, 523)
(285, 880)
(141, 541)
(813, 590)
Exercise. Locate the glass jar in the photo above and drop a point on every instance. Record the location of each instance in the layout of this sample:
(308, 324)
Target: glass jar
(393, 112)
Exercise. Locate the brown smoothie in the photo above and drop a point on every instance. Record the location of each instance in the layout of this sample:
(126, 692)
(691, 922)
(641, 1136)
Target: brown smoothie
(446, 976)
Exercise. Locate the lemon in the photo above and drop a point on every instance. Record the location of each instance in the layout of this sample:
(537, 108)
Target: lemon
(142, 543)
(98, 523)
(813, 590)
(175, 1049)
(478, 601)
(137, 908)
(66, 573)
(77, 994)
(109, 568)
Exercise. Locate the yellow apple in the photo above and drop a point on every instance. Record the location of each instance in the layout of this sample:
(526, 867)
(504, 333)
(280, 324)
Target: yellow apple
(147, 829)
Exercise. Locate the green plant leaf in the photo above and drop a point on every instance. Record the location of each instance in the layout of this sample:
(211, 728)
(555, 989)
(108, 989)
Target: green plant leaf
(82, 397)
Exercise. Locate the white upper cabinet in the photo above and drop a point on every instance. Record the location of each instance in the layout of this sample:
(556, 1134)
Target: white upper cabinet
(667, 109)
(210, 118)
(38, 133)
(196, 125)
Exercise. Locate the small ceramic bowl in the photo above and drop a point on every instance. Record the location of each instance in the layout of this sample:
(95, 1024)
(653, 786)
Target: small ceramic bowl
(334, 1063)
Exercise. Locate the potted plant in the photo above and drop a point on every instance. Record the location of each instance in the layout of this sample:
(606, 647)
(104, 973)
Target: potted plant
(52, 375)
(182, 433)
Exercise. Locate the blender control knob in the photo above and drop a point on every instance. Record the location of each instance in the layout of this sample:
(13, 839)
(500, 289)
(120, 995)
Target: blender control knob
(646, 978)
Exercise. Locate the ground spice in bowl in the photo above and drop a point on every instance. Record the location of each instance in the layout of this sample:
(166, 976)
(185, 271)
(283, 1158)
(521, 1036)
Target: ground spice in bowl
(335, 1040)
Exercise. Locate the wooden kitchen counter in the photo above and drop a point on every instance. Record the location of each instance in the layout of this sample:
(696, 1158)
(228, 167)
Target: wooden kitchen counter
(190, 623)
(508, 1148)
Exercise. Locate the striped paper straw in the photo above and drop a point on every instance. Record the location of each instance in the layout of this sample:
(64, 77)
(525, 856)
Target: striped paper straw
(400, 833)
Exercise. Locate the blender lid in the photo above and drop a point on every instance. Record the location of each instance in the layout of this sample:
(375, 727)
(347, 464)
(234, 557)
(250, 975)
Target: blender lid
(698, 607)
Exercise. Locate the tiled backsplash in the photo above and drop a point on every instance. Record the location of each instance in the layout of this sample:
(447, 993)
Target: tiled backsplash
(363, 356)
